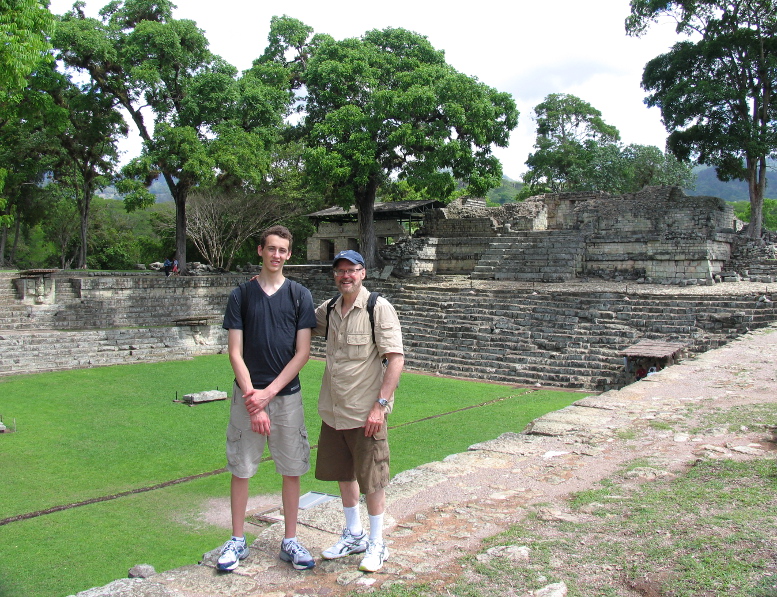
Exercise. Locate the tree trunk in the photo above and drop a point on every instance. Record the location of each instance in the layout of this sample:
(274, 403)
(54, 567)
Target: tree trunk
(16, 234)
(756, 184)
(365, 204)
(3, 239)
(83, 210)
(180, 192)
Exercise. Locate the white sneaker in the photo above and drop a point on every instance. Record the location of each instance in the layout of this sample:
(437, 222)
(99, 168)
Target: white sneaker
(377, 553)
(231, 553)
(347, 545)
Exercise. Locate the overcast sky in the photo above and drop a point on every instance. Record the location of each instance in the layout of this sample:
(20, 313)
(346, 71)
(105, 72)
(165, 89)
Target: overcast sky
(529, 49)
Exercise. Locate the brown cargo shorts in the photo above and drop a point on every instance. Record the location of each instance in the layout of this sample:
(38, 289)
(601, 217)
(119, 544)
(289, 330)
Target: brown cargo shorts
(347, 455)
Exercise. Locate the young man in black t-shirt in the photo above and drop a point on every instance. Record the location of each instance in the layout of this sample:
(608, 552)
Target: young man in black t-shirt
(269, 342)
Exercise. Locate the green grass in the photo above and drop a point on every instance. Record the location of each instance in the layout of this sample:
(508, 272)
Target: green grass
(709, 531)
(91, 433)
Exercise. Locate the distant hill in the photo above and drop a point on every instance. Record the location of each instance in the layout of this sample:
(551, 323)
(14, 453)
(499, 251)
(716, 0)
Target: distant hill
(707, 183)
(158, 188)
(506, 192)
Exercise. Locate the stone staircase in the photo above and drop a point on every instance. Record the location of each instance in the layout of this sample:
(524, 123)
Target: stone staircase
(546, 334)
(562, 339)
(545, 256)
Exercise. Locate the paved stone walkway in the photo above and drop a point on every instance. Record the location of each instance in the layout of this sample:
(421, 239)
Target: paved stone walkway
(442, 510)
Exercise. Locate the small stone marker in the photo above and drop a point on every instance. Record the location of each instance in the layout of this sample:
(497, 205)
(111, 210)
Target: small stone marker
(206, 396)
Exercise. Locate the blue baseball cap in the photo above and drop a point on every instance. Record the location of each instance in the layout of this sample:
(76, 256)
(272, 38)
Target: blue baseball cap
(351, 256)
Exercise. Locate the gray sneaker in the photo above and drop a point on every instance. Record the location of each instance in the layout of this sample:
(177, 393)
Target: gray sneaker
(294, 552)
(231, 553)
(347, 545)
(377, 553)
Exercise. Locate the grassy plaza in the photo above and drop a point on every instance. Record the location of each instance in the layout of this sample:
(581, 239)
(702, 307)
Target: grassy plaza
(88, 434)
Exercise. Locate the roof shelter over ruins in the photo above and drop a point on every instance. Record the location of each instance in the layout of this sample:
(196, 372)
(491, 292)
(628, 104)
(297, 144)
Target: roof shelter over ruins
(338, 229)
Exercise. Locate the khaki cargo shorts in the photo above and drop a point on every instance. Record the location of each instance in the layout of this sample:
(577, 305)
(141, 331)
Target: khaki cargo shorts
(288, 440)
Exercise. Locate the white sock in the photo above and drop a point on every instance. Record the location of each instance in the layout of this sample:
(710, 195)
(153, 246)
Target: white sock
(241, 539)
(376, 527)
(287, 539)
(352, 520)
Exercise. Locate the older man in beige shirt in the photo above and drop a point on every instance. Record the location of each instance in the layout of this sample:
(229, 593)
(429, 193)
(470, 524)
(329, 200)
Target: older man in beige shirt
(364, 359)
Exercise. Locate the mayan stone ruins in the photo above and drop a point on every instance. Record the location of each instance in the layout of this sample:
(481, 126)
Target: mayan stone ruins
(550, 291)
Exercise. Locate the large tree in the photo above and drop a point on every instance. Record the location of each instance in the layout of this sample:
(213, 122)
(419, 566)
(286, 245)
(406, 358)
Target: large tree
(716, 90)
(387, 106)
(209, 127)
(568, 130)
(29, 148)
(89, 154)
(24, 29)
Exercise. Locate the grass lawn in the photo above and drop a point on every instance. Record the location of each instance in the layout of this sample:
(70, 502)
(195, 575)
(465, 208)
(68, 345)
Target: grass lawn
(90, 433)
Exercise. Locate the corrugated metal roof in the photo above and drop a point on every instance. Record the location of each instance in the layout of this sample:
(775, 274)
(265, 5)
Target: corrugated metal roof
(652, 348)
(390, 207)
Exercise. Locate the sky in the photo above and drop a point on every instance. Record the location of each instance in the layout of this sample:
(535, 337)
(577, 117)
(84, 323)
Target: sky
(526, 48)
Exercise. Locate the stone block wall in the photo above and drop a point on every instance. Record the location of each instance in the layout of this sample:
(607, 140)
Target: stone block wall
(438, 224)
(425, 256)
(333, 237)
(523, 336)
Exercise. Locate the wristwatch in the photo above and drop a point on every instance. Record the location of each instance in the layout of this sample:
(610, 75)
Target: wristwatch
(382, 401)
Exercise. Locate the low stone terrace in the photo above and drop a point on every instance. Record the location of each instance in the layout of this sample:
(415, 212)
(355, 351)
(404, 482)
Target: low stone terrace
(553, 334)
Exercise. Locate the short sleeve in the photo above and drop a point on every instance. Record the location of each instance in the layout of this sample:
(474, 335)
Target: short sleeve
(307, 312)
(233, 319)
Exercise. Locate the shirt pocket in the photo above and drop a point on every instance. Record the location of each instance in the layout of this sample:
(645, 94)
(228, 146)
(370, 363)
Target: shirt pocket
(358, 345)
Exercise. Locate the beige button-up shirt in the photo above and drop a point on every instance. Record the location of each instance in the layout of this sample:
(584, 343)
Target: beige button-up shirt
(354, 372)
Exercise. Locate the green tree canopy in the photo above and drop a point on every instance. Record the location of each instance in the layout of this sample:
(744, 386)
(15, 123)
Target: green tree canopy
(716, 92)
(387, 106)
(89, 154)
(24, 29)
(578, 151)
(210, 127)
(568, 129)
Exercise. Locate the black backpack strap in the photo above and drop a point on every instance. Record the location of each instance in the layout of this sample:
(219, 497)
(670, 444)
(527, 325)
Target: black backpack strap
(296, 296)
(329, 306)
(371, 311)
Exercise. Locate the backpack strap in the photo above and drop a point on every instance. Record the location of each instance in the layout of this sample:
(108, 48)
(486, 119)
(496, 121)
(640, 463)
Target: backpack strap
(370, 311)
(329, 306)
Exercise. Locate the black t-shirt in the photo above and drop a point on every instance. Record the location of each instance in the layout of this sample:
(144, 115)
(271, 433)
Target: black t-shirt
(270, 329)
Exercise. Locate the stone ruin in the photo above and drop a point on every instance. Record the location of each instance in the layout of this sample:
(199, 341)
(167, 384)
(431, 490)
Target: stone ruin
(657, 235)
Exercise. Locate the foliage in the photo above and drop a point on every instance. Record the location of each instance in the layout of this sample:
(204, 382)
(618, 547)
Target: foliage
(628, 169)
(134, 438)
(742, 210)
(89, 154)
(211, 128)
(568, 129)
(717, 92)
(24, 27)
(221, 223)
(505, 193)
(387, 106)
(28, 149)
(60, 225)
(578, 151)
